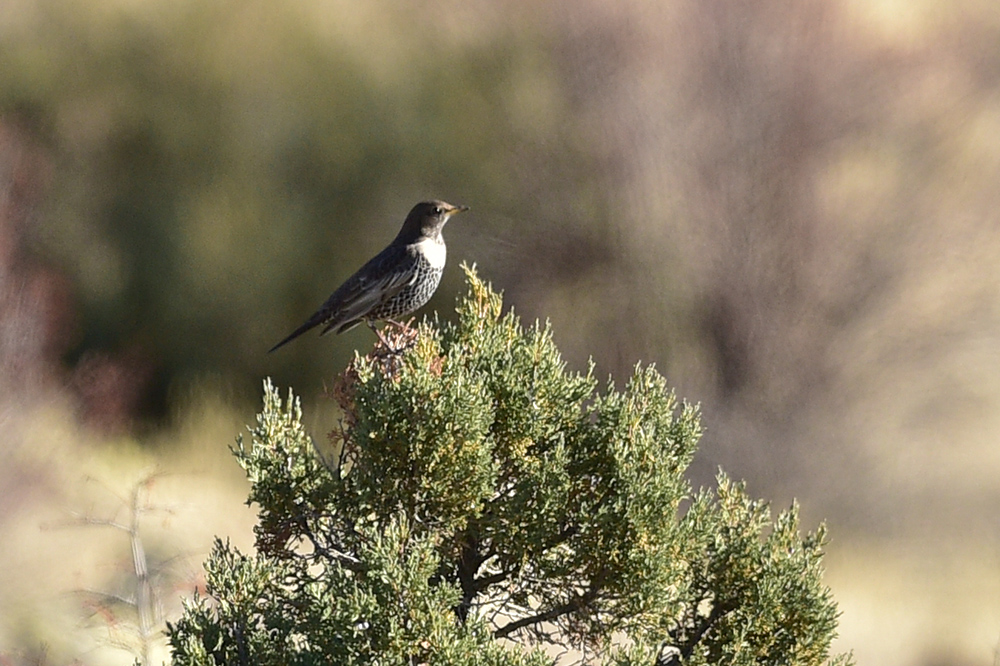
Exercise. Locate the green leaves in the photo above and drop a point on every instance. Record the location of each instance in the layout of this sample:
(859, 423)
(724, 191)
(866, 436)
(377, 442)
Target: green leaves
(754, 594)
(482, 491)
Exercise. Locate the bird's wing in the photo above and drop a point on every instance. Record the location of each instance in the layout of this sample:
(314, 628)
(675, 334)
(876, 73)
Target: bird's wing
(374, 283)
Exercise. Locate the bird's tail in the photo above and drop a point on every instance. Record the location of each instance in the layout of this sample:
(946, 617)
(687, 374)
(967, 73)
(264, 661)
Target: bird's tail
(313, 322)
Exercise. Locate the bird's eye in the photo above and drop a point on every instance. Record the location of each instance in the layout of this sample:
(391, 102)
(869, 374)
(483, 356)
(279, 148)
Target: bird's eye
(437, 210)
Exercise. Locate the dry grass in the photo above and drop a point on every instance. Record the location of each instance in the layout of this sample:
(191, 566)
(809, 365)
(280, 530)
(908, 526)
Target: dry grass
(62, 564)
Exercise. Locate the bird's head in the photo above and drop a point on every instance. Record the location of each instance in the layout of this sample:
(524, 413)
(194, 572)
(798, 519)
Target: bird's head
(428, 218)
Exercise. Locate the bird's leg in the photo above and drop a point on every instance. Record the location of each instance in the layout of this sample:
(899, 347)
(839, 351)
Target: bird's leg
(406, 332)
(401, 326)
(381, 338)
(402, 335)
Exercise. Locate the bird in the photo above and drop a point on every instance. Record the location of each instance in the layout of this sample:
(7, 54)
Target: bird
(397, 281)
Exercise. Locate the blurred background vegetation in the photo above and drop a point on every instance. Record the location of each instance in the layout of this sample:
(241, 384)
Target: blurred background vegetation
(791, 207)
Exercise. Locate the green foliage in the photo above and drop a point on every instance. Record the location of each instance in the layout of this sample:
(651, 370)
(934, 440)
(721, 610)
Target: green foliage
(480, 491)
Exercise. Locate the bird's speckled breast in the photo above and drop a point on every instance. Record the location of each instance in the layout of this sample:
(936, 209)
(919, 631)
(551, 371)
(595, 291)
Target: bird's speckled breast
(418, 290)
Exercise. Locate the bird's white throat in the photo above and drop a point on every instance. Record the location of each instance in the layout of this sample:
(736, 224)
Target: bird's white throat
(433, 250)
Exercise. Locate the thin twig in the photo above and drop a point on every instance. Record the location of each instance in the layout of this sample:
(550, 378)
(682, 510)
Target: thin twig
(571, 606)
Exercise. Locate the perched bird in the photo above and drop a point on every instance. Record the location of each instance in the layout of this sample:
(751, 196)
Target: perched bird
(398, 280)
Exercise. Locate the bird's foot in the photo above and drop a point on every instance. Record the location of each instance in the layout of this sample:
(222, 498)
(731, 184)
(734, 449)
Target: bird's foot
(381, 337)
(395, 338)
(404, 328)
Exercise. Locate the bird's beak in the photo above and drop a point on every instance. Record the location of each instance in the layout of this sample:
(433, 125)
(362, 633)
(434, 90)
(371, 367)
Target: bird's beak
(457, 209)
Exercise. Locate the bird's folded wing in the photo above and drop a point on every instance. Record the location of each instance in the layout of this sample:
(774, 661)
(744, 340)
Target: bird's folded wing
(375, 283)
